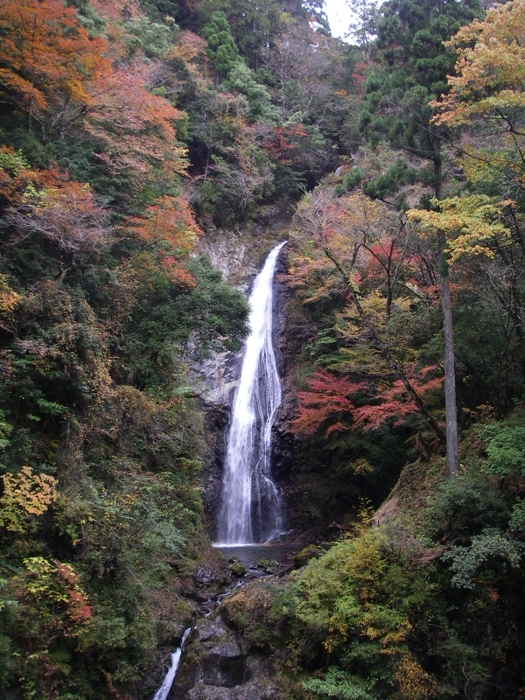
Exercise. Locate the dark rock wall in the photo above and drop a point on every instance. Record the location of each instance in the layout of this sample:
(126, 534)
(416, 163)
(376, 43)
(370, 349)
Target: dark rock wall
(218, 664)
(282, 442)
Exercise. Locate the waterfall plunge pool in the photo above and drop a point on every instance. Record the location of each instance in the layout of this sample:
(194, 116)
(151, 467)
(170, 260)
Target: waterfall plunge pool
(251, 554)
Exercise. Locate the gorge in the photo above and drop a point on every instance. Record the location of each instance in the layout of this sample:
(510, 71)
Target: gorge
(154, 156)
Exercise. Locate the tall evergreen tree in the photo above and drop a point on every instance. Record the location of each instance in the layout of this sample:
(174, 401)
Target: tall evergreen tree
(412, 68)
(222, 49)
(255, 27)
(413, 72)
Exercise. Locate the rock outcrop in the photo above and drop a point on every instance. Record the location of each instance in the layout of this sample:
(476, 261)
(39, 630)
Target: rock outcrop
(219, 664)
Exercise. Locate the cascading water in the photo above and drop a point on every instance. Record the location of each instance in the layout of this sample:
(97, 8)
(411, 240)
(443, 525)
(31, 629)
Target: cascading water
(251, 504)
(162, 692)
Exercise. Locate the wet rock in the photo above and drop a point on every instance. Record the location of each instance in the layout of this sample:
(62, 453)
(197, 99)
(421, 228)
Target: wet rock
(282, 439)
(269, 566)
(251, 691)
(204, 576)
(208, 630)
(208, 692)
(218, 664)
(238, 569)
(214, 378)
(208, 577)
(307, 553)
(213, 657)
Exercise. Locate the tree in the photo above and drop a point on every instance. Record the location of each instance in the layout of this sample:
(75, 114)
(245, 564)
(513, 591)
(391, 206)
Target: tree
(88, 91)
(363, 28)
(398, 100)
(485, 96)
(370, 249)
(102, 303)
(255, 27)
(171, 233)
(232, 169)
(47, 60)
(222, 49)
(259, 99)
(309, 74)
(488, 72)
(330, 402)
(326, 403)
(135, 131)
(412, 70)
(25, 497)
(470, 223)
(65, 212)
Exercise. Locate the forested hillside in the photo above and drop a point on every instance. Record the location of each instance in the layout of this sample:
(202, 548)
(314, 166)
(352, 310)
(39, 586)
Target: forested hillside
(134, 132)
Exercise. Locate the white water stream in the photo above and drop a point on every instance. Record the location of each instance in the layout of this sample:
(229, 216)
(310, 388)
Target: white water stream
(251, 508)
(162, 692)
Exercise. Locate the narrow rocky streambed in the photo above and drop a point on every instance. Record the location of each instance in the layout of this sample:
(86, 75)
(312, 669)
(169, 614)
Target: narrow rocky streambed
(218, 662)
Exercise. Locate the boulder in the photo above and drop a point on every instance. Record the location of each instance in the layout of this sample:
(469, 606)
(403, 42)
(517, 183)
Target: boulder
(218, 664)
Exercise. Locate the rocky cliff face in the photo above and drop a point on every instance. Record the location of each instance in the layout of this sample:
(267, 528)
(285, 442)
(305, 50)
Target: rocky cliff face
(282, 442)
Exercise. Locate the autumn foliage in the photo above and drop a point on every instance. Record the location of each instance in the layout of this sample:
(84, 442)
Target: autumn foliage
(26, 496)
(47, 59)
(333, 404)
(394, 402)
(103, 299)
(136, 129)
(283, 141)
(489, 68)
(326, 403)
(129, 147)
(170, 232)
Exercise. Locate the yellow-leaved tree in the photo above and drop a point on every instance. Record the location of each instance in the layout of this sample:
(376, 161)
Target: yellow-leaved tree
(26, 496)
(486, 101)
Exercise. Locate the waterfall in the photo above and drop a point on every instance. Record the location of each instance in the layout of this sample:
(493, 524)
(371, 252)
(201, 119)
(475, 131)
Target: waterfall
(162, 692)
(251, 503)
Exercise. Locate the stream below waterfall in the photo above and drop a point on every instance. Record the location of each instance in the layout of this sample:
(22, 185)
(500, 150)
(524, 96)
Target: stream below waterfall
(219, 663)
(251, 512)
(225, 654)
(162, 692)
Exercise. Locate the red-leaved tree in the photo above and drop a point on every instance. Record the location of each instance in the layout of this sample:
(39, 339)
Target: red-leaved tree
(326, 404)
(329, 403)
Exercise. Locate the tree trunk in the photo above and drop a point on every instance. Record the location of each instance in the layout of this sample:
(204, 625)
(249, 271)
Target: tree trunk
(451, 411)
(450, 371)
